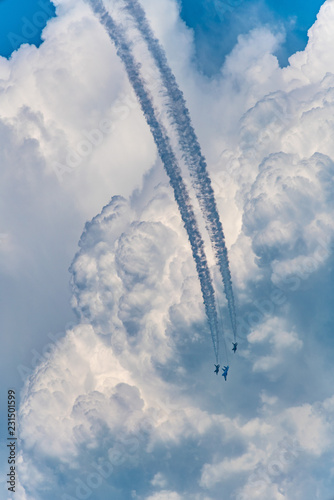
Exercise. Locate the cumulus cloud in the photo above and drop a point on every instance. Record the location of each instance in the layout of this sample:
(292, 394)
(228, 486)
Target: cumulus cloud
(64, 112)
(127, 405)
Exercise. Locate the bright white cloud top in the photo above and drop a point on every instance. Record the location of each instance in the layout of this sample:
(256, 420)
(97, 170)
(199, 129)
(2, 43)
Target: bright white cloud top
(127, 405)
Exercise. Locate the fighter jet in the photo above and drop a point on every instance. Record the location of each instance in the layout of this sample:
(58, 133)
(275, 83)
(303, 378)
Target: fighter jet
(224, 374)
(217, 369)
(235, 345)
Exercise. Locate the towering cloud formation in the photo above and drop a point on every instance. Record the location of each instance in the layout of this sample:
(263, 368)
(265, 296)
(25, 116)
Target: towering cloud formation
(126, 405)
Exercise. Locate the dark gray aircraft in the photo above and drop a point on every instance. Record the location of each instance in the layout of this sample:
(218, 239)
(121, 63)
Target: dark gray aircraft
(224, 374)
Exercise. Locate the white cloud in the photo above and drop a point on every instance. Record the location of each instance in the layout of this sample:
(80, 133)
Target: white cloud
(315, 61)
(91, 388)
(273, 334)
(159, 480)
(165, 495)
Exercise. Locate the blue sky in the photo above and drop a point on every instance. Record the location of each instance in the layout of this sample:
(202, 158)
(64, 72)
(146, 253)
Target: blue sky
(216, 26)
(91, 238)
(22, 22)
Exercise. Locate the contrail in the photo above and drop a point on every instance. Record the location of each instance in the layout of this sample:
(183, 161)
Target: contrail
(170, 164)
(192, 153)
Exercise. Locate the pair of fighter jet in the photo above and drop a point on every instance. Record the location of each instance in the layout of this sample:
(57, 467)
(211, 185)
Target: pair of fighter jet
(226, 368)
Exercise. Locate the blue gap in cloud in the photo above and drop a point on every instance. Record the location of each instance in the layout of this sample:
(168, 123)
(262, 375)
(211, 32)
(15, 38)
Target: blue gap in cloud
(22, 21)
(217, 24)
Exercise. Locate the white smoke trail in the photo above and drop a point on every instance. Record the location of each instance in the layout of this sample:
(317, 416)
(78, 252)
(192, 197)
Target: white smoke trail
(192, 153)
(170, 163)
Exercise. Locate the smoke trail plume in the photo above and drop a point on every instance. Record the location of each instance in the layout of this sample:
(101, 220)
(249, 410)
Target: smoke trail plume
(170, 164)
(192, 153)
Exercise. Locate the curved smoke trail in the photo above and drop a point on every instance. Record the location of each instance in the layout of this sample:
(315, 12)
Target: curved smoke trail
(170, 163)
(192, 153)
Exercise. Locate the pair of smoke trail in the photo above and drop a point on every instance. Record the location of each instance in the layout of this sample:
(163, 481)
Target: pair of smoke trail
(191, 150)
(171, 166)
